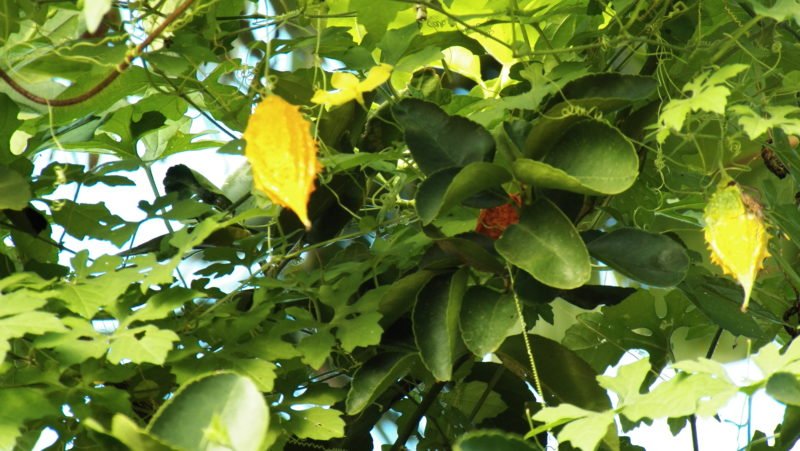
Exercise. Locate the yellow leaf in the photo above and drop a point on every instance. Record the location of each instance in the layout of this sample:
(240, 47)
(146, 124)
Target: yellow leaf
(347, 87)
(736, 235)
(282, 154)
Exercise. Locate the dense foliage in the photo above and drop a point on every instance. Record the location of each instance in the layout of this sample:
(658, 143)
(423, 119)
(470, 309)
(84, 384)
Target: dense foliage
(511, 200)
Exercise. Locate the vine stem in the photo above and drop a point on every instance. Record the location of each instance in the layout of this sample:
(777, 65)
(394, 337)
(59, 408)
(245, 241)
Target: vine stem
(408, 428)
(104, 83)
(528, 348)
(693, 418)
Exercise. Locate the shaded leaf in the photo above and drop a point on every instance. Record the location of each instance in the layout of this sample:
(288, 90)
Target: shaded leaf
(785, 387)
(487, 318)
(445, 189)
(482, 440)
(647, 257)
(15, 193)
(435, 318)
(374, 377)
(565, 377)
(439, 141)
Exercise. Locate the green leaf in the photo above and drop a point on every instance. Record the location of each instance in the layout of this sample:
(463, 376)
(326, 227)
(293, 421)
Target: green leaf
(20, 405)
(141, 344)
(86, 295)
(565, 377)
(785, 387)
(468, 248)
(790, 428)
(781, 10)
(487, 318)
(221, 410)
(374, 377)
(92, 220)
(720, 300)
(643, 256)
(129, 433)
(482, 440)
(778, 116)
(316, 348)
(607, 91)
(590, 296)
(477, 397)
(641, 321)
(435, 318)
(584, 429)
(162, 304)
(547, 246)
(315, 423)
(439, 141)
(709, 93)
(79, 343)
(401, 295)
(15, 193)
(546, 131)
(445, 189)
(590, 158)
(628, 382)
(260, 371)
(363, 330)
(701, 394)
(8, 109)
(93, 12)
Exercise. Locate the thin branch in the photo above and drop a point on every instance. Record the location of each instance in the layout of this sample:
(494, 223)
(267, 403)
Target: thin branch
(693, 418)
(413, 422)
(104, 83)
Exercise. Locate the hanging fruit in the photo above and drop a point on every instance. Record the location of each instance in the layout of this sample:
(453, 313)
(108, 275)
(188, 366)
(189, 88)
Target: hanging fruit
(492, 222)
(282, 154)
(736, 235)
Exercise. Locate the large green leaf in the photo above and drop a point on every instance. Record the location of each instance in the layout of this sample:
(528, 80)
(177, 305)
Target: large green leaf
(487, 318)
(482, 440)
(590, 158)
(374, 377)
(8, 109)
(470, 251)
(640, 321)
(720, 300)
(214, 411)
(445, 189)
(435, 319)
(401, 295)
(606, 91)
(547, 131)
(15, 193)
(647, 257)
(565, 377)
(437, 140)
(790, 428)
(20, 404)
(785, 387)
(547, 246)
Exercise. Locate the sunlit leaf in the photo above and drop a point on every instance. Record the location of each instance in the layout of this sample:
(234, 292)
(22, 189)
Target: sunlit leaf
(709, 93)
(347, 87)
(282, 154)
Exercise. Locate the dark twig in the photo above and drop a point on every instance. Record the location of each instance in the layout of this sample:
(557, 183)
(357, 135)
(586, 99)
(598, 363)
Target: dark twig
(104, 83)
(413, 422)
